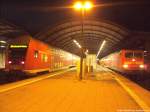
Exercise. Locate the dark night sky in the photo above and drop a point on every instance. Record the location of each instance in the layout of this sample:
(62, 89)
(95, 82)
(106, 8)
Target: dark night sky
(36, 15)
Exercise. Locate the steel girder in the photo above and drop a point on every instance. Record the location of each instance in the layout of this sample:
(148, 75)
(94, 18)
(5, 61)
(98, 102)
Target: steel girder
(63, 34)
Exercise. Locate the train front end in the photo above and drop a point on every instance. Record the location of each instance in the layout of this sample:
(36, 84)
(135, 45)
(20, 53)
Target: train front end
(16, 57)
(133, 60)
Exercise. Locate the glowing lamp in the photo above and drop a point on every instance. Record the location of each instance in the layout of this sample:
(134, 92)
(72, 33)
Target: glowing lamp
(2, 46)
(77, 43)
(88, 5)
(1, 41)
(78, 5)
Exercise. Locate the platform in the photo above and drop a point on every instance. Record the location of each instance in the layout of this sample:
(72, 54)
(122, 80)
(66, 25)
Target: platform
(64, 93)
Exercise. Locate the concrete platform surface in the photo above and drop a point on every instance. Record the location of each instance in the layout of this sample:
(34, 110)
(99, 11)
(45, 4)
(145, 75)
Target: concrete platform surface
(64, 93)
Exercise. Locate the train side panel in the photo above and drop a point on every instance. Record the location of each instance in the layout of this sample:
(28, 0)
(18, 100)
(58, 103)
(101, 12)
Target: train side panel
(37, 56)
(31, 55)
(125, 61)
(134, 60)
(41, 57)
(115, 61)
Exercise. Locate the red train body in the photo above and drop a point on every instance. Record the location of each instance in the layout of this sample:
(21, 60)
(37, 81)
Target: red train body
(125, 60)
(31, 55)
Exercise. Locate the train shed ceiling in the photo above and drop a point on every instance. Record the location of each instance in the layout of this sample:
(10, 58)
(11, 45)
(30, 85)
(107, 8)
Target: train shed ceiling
(94, 32)
(36, 15)
(9, 31)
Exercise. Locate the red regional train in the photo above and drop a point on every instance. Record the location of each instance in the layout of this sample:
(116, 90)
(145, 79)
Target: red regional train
(33, 56)
(125, 61)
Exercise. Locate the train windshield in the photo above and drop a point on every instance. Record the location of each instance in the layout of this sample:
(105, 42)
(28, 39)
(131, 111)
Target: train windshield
(134, 55)
(15, 53)
(129, 54)
(138, 55)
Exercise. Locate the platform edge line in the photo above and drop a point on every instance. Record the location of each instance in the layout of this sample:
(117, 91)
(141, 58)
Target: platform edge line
(137, 99)
(30, 82)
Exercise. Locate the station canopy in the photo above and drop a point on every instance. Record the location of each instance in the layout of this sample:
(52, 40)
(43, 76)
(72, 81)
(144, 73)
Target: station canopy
(89, 34)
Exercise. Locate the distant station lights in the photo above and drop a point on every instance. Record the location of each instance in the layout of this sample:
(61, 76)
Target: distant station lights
(86, 52)
(77, 43)
(101, 47)
(3, 44)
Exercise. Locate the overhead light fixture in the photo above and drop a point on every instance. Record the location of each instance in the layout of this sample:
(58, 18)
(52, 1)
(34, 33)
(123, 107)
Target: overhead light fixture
(2, 46)
(77, 43)
(100, 49)
(2, 41)
(74, 41)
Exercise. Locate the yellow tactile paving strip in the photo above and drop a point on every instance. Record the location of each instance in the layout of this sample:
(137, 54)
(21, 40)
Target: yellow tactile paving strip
(66, 94)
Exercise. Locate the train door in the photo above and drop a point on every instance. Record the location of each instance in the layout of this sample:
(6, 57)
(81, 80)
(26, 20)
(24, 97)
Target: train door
(2, 59)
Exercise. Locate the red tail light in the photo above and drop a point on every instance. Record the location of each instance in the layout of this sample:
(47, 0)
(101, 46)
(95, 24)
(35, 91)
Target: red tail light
(22, 62)
(9, 62)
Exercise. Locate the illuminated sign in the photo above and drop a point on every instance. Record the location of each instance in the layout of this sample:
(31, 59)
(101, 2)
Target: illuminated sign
(18, 46)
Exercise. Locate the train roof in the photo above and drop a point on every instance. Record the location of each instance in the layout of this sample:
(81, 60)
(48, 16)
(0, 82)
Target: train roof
(25, 39)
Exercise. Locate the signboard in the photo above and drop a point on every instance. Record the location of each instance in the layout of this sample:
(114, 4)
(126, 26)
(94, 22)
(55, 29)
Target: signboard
(18, 46)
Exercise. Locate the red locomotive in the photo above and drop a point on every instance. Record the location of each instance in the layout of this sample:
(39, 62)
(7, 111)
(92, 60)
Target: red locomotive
(125, 60)
(31, 55)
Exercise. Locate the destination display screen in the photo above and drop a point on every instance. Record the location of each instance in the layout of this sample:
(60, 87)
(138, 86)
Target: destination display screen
(18, 46)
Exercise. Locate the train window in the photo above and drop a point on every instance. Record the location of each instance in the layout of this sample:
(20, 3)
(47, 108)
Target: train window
(44, 58)
(129, 54)
(138, 55)
(36, 54)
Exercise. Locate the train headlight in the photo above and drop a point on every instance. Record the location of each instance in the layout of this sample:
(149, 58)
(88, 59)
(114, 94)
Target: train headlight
(133, 60)
(125, 66)
(141, 66)
(9, 62)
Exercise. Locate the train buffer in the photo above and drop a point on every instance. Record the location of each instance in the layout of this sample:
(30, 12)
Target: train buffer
(106, 92)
